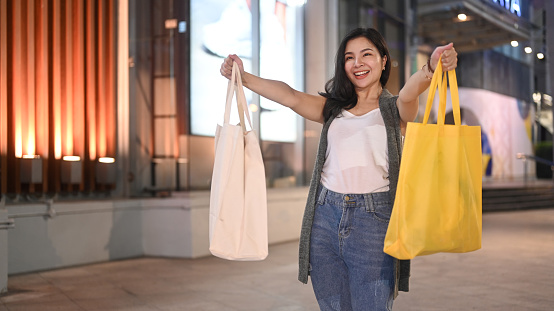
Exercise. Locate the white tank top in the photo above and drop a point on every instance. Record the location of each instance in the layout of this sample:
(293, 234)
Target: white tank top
(356, 160)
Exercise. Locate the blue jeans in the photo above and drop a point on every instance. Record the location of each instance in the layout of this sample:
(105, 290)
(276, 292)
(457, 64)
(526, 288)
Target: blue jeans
(348, 268)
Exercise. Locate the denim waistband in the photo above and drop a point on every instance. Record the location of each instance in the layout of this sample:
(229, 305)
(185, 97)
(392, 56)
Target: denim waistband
(351, 199)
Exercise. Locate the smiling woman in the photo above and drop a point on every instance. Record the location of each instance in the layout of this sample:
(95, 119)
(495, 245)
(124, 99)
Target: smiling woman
(363, 50)
(363, 66)
(356, 171)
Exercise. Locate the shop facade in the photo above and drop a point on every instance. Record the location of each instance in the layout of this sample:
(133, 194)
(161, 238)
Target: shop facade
(106, 133)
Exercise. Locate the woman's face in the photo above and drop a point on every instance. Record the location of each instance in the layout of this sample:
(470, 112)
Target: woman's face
(363, 63)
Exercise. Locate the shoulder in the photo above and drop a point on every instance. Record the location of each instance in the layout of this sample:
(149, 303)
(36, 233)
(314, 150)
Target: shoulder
(387, 98)
(387, 103)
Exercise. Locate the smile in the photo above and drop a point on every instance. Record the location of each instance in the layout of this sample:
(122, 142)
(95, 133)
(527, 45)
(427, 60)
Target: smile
(361, 74)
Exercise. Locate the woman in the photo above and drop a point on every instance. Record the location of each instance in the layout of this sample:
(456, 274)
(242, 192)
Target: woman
(354, 180)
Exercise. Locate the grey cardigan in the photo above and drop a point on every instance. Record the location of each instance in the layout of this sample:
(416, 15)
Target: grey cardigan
(391, 117)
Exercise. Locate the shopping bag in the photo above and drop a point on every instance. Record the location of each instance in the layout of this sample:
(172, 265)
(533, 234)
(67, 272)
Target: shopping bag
(438, 203)
(238, 202)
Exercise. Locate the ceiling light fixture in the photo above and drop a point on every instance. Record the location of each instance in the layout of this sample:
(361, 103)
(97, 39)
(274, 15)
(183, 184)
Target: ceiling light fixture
(528, 50)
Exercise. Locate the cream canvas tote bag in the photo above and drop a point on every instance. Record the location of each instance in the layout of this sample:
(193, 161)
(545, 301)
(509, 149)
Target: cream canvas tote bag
(238, 199)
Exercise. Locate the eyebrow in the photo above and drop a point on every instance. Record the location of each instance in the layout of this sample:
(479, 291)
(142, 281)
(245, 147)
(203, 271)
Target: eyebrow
(366, 49)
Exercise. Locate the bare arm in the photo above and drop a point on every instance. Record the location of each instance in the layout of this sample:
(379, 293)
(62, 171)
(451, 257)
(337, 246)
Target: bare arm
(408, 98)
(306, 105)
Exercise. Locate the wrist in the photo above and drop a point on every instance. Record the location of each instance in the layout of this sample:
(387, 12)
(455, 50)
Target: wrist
(427, 73)
(429, 66)
(245, 78)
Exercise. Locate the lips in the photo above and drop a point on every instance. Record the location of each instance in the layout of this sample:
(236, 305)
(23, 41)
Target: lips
(361, 74)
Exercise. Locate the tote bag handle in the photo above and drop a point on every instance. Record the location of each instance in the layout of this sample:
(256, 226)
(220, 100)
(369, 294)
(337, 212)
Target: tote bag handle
(439, 80)
(235, 87)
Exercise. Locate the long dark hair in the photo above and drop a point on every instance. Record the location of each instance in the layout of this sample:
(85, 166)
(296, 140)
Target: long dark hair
(339, 91)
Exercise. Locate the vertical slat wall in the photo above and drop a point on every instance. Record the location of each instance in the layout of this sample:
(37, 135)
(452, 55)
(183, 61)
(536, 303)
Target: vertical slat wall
(18, 92)
(91, 89)
(42, 83)
(101, 103)
(110, 81)
(3, 97)
(57, 94)
(77, 32)
(54, 103)
(12, 83)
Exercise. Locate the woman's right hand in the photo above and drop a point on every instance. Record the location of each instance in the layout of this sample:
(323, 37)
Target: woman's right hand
(308, 106)
(227, 66)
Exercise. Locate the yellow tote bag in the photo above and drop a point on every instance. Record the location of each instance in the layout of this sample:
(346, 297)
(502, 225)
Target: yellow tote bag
(438, 198)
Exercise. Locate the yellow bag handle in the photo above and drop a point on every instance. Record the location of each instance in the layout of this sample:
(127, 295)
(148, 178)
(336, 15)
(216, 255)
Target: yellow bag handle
(439, 80)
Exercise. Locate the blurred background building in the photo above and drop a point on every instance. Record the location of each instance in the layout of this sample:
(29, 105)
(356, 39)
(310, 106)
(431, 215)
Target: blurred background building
(108, 109)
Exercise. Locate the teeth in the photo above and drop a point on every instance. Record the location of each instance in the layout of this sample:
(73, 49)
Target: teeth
(361, 73)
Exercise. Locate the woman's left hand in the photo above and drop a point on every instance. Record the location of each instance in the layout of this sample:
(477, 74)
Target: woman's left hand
(449, 57)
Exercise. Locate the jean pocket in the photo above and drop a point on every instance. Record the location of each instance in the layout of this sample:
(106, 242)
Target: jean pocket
(382, 211)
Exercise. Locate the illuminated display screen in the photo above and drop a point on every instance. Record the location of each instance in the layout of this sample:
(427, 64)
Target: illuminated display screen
(222, 27)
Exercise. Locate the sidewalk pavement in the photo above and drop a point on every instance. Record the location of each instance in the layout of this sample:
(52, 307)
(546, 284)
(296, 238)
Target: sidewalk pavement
(513, 271)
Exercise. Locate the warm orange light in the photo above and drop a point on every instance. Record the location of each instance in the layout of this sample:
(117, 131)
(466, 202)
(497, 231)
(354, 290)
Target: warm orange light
(102, 96)
(31, 142)
(106, 160)
(67, 99)
(102, 131)
(57, 131)
(72, 158)
(91, 68)
(31, 156)
(29, 116)
(78, 56)
(18, 88)
(18, 138)
(57, 88)
(56, 83)
(42, 113)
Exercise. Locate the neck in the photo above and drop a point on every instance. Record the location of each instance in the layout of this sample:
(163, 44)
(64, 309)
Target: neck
(369, 95)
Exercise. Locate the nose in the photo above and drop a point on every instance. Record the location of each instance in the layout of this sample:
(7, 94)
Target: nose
(357, 62)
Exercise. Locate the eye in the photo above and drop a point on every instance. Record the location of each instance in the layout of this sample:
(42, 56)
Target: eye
(347, 58)
(367, 54)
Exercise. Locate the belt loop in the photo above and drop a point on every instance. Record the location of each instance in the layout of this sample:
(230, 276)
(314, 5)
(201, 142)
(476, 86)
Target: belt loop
(368, 202)
(322, 195)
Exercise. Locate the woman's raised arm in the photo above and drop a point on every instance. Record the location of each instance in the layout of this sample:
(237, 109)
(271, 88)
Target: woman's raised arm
(408, 97)
(306, 105)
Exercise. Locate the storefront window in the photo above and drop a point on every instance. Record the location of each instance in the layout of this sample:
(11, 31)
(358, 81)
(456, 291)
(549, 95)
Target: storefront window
(218, 28)
(281, 58)
(222, 27)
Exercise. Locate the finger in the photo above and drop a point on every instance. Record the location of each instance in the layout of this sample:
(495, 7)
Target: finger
(447, 47)
(444, 50)
(449, 59)
(450, 64)
(450, 54)
(228, 62)
(226, 68)
(441, 52)
(236, 59)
